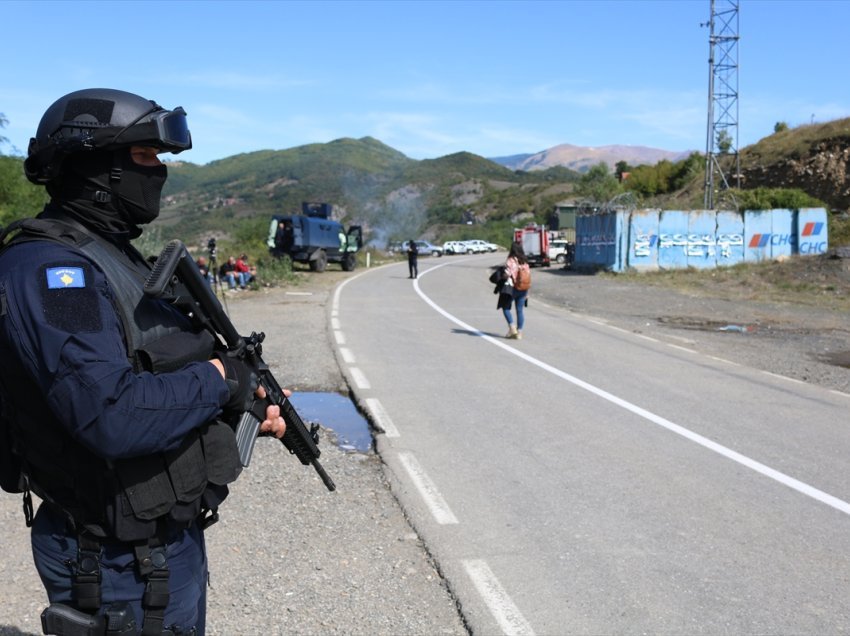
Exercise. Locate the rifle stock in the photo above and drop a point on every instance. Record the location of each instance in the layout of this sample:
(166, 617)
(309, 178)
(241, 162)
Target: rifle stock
(298, 440)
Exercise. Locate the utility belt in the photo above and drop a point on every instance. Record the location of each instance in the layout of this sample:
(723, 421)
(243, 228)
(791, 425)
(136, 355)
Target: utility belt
(118, 619)
(151, 564)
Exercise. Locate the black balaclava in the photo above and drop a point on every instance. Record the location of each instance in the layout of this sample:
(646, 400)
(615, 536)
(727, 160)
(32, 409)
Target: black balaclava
(109, 191)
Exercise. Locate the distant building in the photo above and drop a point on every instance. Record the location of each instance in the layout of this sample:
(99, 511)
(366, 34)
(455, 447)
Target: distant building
(562, 221)
(563, 217)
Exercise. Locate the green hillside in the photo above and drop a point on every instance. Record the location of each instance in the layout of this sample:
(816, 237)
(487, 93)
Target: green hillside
(458, 196)
(368, 183)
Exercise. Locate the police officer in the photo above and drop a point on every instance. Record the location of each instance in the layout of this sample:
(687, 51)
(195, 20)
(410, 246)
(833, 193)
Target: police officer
(116, 404)
(412, 258)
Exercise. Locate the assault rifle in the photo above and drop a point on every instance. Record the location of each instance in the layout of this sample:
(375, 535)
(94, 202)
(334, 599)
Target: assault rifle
(175, 275)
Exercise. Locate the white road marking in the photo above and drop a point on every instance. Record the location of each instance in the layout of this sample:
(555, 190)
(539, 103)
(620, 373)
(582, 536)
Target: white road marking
(650, 338)
(382, 419)
(767, 471)
(427, 489)
(339, 337)
(359, 379)
(685, 349)
(346, 354)
(335, 323)
(725, 360)
(783, 377)
(501, 606)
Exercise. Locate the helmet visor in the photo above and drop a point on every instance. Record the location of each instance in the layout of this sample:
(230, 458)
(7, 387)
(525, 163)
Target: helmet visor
(172, 129)
(164, 129)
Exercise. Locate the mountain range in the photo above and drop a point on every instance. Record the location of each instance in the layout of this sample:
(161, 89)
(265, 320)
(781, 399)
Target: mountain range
(393, 196)
(581, 158)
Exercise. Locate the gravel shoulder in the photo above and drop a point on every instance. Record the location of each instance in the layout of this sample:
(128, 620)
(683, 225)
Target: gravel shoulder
(290, 557)
(803, 342)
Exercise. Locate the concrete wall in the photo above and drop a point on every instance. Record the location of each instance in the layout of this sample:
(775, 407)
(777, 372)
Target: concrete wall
(670, 239)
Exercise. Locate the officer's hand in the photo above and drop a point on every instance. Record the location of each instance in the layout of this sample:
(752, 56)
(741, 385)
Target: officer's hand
(273, 423)
(241, 381)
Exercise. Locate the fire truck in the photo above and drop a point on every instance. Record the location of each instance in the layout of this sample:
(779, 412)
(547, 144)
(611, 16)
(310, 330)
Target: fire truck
(535, 243)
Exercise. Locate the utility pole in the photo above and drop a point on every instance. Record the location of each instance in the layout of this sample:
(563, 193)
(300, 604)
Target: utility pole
(722, 130)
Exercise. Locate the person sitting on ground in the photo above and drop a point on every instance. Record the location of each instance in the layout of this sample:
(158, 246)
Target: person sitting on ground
(227, 273)
(204, 268)
(246, 273)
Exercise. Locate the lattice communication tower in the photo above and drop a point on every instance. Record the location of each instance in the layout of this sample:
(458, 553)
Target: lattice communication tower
(722, 130)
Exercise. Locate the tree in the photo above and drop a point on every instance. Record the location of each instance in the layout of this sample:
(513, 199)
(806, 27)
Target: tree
(620, 168)
(598, 184)
(18, 197)
(3, 123)
(724, 142)
(780, 126)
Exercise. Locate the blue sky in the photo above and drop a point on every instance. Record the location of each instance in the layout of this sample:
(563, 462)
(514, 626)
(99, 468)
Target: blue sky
(427, 78)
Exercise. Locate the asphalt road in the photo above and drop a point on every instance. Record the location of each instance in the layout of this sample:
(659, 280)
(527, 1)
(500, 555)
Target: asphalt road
(589, 479)
(584, 480)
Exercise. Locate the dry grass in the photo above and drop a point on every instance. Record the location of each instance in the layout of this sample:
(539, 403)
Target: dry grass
(815, 281)
(793, 143)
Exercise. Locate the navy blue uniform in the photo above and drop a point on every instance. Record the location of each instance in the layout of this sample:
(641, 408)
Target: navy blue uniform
(59, 329)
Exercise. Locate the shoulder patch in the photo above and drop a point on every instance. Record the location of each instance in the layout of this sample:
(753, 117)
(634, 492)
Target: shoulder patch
(69, 299)
(65, 277)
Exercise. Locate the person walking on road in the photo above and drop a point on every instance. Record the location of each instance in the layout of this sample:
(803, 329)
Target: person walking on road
(518, 284)
(412, 258)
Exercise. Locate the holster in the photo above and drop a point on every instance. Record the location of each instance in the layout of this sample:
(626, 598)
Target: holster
(63, 620)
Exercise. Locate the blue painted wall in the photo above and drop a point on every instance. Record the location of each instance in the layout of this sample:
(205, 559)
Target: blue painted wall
(670, 239)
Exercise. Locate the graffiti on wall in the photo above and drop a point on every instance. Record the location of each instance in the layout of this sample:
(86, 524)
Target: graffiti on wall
(653, 239)
(690, 244)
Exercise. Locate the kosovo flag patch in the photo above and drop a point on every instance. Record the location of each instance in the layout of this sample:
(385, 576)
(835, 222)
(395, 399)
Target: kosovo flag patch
(65, 277)
(69, 303)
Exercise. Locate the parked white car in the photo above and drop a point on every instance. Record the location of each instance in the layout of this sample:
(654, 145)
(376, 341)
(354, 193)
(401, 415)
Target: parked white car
(477, 246)
(558, 250)
(455, 247)
(425, 248)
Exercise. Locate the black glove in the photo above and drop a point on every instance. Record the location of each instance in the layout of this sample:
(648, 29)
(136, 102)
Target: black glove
(242, 382)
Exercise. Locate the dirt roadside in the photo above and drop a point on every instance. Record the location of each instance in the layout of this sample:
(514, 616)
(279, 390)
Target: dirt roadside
(806, 338)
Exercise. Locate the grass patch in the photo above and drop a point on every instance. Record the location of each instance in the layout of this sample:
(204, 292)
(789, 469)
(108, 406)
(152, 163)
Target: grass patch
(814, 281)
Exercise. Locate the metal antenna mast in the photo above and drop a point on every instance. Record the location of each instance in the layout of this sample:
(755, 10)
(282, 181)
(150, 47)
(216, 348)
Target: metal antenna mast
(722, 130)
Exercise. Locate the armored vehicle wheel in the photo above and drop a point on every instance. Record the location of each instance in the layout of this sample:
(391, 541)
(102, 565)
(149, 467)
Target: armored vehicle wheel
(349, 262)
(319, 263)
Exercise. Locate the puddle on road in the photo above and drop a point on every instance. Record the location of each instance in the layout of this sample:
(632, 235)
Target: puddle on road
(338, 413)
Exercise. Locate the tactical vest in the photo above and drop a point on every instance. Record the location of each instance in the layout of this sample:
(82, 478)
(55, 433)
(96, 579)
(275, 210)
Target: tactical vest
(138, 498)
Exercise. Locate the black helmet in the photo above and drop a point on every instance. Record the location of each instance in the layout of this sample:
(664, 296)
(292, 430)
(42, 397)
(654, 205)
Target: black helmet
(101, 119)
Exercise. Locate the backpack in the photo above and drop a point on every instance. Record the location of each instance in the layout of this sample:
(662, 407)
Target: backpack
(523, 278)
